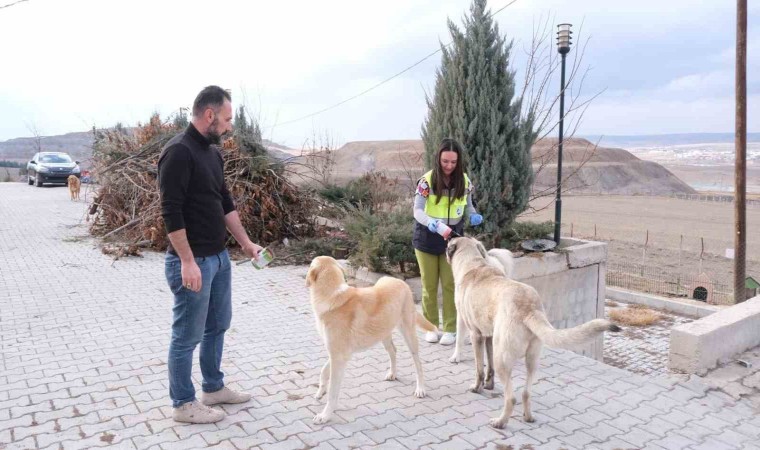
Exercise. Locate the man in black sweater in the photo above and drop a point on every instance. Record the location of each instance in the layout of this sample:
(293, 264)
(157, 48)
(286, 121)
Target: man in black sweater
(198, 210)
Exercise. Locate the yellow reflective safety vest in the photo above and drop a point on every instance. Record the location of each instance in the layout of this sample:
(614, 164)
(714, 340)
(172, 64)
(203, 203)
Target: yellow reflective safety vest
(444, 209)
(433, 243)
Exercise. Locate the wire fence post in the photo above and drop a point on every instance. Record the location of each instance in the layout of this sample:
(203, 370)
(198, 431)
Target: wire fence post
(701, 254)
(644, 252)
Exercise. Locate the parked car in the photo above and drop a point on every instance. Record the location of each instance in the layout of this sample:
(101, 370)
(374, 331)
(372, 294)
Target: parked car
(51, 167)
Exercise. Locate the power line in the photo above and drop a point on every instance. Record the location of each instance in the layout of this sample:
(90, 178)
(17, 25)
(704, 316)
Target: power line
(14, 3)
(308, 116)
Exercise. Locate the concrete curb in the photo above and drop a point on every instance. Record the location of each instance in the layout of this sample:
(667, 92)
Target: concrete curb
(686, 307)
(702, 344)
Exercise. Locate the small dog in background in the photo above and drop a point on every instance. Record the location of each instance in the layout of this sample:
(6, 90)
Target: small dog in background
(74, 187)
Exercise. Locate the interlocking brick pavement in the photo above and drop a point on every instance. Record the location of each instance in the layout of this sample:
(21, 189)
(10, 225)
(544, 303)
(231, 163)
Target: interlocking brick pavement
(83, 344)
(641, 350)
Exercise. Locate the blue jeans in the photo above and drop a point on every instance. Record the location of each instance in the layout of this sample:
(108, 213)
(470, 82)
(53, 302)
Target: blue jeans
(199, 317)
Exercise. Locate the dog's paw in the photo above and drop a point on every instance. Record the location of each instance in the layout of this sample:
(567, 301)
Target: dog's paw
(476, 388)
(488, 384)
(455, 359)
(390, 376)
(419, 392)
(320, 393)
(528, 418)
(321, 418)
(497, 423)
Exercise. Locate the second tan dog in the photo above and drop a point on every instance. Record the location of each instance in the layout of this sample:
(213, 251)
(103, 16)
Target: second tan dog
(507, 319)
(352, 319)
(74, 187)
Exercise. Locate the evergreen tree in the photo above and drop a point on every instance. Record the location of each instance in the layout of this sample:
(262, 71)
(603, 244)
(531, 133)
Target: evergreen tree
(243, 125)
(474, 102)
(180, 120)
(247, 134)
(240, 122)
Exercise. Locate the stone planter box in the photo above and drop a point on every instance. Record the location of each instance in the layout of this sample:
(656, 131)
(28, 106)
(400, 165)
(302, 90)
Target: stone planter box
(570, 282)
(571, 285)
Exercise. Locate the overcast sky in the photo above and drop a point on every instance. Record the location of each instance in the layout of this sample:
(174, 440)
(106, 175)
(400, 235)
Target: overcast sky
(664, 66)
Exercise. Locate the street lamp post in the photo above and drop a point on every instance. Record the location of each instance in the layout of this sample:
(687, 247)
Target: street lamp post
(563, 46)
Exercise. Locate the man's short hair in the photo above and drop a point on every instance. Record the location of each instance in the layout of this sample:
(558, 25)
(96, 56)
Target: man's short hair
(210, 97)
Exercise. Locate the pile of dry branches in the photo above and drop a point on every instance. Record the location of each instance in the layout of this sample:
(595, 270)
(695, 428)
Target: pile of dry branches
(127, 205)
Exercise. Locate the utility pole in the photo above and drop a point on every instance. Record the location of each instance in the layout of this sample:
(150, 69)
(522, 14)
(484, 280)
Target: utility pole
(740, 194)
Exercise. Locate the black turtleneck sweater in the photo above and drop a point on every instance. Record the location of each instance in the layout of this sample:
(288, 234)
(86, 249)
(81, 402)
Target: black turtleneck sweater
(193, 192)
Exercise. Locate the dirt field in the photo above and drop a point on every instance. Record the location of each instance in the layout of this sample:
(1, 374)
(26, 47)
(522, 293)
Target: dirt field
(718, 178)
(623, 222)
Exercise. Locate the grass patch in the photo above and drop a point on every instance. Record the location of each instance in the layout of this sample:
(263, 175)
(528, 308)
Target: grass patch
(638, 306)
(638, 316)
(611, 304)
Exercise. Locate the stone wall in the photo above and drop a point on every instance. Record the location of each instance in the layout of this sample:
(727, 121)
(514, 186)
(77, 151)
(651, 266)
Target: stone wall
(570, 283)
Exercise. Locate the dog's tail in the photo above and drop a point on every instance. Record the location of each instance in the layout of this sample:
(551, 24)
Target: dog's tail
(423, 323)
(570, 337)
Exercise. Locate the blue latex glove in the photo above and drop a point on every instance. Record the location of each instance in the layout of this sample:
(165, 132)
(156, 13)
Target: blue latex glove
(433, 225)
(476, 219)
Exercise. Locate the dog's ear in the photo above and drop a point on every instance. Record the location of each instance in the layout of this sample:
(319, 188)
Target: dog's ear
(451, 249)
(311, 277)
(481, 249)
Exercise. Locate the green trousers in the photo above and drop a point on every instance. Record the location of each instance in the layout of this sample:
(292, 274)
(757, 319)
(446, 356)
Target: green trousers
(432, 269)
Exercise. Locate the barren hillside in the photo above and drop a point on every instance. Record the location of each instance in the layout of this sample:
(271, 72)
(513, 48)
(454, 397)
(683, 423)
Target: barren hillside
(78, 145)
(605, 170)
(602, 170)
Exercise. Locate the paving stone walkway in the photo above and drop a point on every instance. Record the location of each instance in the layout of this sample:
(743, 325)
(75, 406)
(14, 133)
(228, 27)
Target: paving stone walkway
(83, 344)
(641, 350)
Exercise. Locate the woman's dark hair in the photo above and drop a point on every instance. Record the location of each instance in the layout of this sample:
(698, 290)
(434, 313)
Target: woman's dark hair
(456, 181)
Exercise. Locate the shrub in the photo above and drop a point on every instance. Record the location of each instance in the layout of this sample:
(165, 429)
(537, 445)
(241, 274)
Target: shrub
(382, 241)
(517, 232)
(373, 191)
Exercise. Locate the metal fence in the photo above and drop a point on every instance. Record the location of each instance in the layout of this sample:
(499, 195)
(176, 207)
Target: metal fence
(654, 280)
(719, 198)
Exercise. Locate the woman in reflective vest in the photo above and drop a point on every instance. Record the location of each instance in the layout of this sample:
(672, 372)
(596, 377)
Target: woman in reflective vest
(443, 196)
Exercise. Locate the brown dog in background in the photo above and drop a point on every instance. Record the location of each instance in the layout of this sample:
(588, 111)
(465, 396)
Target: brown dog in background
(74, 187)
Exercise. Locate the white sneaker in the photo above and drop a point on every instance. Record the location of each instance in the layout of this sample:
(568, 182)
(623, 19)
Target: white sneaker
(448, 338)
(431, 336)
(224, 395)
(196, 412)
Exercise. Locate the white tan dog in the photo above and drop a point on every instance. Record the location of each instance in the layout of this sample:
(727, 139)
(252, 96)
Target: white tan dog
(353, 319)
(508, 319)
(501, 259)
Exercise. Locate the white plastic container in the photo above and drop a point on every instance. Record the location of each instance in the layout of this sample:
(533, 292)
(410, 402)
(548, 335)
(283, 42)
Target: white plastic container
(263, 259)
(443, 229)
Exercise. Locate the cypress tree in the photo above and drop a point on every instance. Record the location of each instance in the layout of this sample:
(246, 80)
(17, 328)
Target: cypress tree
(474, 102)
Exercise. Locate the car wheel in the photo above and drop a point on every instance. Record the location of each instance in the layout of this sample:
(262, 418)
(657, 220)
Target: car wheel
(29, 180)
(38, 182)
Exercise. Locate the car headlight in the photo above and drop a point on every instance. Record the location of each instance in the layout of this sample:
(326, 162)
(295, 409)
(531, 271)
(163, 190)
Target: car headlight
(43, 169)
(76, 169)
